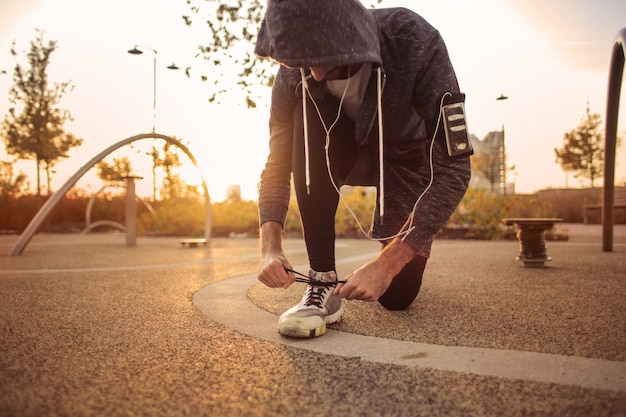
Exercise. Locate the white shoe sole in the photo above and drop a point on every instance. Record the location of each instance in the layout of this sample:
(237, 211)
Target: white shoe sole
(303, 327)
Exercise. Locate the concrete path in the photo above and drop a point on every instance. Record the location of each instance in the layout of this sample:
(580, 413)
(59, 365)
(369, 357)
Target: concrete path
(91, 327)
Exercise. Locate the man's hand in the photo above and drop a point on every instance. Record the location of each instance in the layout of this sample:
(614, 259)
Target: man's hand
(367, 283)
(371, 280)
(272, 270)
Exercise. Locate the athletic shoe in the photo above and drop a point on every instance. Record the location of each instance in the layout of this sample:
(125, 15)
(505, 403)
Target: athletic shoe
(317, 308)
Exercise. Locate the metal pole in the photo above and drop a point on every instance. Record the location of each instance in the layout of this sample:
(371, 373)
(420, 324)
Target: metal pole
(136, 51)
(154, 150)
(154, 84)
(503, 150)
(131, 212)
(503, 163)
(616, 73)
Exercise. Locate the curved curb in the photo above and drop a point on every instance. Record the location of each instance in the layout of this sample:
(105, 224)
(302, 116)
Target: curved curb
(226, 302)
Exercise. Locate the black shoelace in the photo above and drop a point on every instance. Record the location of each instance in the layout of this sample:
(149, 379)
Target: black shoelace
(316, 295)
(312, 281)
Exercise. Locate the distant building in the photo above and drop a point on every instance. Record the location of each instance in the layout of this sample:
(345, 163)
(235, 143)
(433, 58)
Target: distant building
(233, 193)
(489, 164)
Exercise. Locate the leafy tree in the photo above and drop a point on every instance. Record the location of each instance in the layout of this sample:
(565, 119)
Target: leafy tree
(10, 185)
(583, 150)
(233, 26)
(33, 127)
(172, 184)
(166, 159)
(115, 172)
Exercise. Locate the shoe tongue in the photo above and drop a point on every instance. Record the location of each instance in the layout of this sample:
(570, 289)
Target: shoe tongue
(329, 276)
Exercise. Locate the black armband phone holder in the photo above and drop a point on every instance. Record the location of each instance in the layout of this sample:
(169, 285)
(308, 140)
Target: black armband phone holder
(455, 125)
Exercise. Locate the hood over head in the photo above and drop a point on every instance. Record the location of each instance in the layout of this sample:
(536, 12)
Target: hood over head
(318, 33)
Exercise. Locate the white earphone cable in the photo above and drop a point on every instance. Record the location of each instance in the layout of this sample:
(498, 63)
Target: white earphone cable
(409, 224)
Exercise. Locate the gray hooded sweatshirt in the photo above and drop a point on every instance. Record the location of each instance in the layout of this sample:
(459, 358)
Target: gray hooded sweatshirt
(416, 71)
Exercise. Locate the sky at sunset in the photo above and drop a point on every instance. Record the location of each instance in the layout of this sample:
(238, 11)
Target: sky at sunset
(550, 57)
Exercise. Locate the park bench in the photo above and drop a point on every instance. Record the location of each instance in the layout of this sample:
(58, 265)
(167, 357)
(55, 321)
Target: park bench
(619, 201)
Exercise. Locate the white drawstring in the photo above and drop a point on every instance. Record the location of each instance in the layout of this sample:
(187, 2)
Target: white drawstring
(307, 170)
(381, 165)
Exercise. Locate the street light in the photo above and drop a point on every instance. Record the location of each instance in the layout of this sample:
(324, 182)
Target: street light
(136, 51)
(503, 151)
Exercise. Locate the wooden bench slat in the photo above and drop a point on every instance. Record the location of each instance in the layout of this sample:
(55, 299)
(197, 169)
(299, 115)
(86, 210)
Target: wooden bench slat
(619, 201)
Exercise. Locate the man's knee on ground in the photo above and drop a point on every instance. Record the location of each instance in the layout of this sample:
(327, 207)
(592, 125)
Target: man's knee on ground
(396, 303)
(405, 286)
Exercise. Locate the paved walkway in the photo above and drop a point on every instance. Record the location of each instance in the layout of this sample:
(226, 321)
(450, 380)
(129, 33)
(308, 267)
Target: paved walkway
(91, 327)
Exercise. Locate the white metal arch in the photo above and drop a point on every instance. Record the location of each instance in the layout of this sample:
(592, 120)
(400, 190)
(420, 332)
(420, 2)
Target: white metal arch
(89, 225)
(99, 223)
(45, 210)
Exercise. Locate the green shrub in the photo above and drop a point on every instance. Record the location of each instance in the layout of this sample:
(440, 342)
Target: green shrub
(358, 199)
(479, 215)
(362, 202)
(180, 217)
(67, 216)
(481, 212)
(17, 212)
(235, 217)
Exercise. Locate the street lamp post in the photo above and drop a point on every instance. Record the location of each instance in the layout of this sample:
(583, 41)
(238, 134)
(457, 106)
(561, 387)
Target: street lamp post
(503, 151)
(136, 51)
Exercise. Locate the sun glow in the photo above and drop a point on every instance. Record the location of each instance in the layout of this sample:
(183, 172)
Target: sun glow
(550, 58)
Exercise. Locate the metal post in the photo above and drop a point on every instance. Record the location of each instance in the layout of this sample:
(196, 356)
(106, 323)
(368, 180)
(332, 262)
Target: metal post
(503, 152)
(131, 212)
(154, 84)
(503, 161)
(136, 51)
(616, 73)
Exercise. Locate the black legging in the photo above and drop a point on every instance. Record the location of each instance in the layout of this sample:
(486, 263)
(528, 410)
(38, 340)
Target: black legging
(318, 204)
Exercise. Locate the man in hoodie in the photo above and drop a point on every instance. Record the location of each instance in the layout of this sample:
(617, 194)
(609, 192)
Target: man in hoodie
(356, 101)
